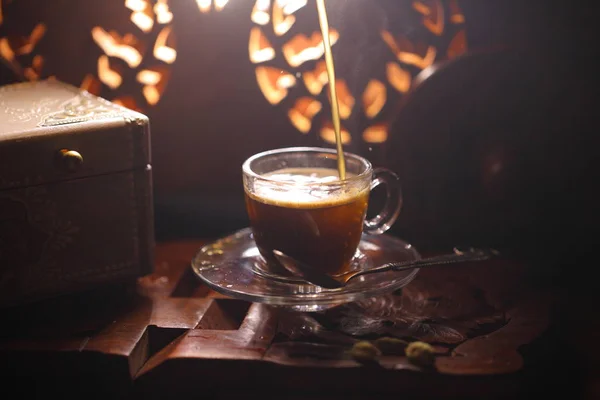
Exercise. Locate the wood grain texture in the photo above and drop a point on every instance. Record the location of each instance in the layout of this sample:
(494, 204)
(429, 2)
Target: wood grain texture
(167, 333)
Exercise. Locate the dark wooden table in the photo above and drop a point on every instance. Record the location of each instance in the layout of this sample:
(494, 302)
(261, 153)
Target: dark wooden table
(496, 334)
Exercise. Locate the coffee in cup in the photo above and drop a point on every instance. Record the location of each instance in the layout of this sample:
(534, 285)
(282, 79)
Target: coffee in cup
(297, 204)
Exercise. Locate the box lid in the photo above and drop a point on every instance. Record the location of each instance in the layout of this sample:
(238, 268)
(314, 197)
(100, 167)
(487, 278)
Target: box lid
(51, 131)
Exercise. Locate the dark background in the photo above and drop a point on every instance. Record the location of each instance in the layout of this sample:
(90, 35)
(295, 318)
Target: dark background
(497, 147)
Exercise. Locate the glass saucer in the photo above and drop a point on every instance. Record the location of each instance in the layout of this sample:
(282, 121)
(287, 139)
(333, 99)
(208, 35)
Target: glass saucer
(233, 266)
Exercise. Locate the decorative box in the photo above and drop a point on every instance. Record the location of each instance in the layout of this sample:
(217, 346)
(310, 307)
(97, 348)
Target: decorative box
(76, 206)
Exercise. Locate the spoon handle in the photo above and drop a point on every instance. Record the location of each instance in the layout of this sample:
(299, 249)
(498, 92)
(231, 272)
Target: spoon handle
(452, 258)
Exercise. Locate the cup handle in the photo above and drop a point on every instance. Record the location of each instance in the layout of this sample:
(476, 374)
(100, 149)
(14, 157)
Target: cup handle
(391, 209)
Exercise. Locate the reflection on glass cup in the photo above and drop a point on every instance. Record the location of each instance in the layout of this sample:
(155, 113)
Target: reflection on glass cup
(297, 205)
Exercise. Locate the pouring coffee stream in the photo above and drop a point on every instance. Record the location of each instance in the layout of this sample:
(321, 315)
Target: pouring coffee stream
(286, 187)
(314, 276)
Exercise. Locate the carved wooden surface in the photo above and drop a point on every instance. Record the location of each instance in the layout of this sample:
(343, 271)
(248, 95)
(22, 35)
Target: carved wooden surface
(168, 333)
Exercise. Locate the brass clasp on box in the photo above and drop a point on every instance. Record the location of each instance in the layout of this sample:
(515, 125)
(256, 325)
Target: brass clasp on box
(69, 160)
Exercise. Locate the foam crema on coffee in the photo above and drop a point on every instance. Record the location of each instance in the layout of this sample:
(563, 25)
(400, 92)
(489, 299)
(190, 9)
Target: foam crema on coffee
(304, 188)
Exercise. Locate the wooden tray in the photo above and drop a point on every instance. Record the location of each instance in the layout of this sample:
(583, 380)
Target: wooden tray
(168, 333)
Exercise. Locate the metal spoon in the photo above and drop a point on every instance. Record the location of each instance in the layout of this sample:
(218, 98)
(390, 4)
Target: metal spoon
(315, 276)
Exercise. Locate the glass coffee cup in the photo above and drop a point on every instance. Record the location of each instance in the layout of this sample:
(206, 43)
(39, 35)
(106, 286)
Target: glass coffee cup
(297, 204)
